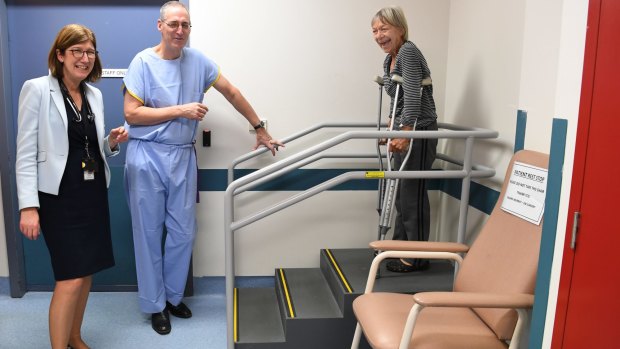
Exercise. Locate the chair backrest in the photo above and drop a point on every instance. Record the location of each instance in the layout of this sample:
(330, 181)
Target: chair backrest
(504, 256)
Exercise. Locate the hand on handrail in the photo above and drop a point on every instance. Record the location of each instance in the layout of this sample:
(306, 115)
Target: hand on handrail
(263, 138)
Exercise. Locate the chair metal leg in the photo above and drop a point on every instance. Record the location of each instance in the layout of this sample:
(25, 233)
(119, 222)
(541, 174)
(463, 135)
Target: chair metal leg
(522, 321)
(408, 331)
(357, 337)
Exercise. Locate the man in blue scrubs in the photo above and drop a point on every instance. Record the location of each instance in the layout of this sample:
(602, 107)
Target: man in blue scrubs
(163, 91)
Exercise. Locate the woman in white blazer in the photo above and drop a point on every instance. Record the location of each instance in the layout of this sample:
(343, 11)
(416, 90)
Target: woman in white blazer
(62, 175)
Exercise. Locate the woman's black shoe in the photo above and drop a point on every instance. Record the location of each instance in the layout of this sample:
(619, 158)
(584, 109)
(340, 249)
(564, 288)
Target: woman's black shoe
(398, 266)
(161, 322)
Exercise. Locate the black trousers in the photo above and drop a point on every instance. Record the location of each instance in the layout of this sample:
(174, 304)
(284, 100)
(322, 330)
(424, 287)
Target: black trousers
(411, 203)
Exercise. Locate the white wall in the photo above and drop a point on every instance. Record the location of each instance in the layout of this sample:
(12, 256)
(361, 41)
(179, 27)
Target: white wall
(482, 90)
(484, 59)
(299, 64)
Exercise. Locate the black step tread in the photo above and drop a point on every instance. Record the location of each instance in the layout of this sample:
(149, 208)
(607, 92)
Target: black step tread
(259, 316)
(309, 293)
(355, 265)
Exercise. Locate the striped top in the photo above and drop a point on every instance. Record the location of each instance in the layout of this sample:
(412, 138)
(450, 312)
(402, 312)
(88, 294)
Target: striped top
(411, 65)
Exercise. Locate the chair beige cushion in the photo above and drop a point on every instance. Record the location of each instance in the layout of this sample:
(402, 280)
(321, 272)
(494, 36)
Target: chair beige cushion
(385, 315)
(504, 257)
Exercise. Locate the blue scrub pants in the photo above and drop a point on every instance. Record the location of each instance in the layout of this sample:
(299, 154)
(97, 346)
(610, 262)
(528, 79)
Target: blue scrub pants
(160, 182)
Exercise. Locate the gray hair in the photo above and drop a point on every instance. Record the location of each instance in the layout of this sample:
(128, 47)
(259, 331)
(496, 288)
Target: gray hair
(169, 4)
(393, 15)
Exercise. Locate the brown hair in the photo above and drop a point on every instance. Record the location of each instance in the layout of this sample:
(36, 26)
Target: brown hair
(68, 36)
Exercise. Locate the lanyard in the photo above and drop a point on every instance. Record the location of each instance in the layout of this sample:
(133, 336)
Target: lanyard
(78, 114)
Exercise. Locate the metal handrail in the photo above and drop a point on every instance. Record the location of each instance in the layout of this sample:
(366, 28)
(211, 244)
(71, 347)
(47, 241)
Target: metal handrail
(312, 154)
(299, 164)
(286, 140)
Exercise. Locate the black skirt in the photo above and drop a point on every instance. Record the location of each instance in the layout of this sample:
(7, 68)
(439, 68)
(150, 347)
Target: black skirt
(76, 223)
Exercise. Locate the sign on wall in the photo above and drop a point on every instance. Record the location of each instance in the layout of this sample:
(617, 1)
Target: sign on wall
(525, 195)
(113, 73)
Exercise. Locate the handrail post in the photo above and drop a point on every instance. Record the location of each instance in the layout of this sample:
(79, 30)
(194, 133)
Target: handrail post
(230, 174)
(229, 265)
(465, 185)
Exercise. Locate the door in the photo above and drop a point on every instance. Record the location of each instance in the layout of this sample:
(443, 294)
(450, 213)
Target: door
(122, 30)
(588, 301)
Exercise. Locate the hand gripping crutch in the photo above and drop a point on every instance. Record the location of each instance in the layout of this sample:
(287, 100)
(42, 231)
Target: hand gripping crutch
(390, 188)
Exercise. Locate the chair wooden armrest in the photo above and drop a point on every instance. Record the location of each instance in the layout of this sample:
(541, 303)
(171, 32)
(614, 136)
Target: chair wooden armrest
(474, 300)
(428, 246)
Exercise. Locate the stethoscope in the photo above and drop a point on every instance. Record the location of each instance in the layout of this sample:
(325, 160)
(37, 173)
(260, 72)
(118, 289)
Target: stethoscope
(78, 116)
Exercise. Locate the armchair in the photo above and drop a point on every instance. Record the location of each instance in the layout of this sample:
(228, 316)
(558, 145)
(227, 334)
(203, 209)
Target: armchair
(493, 288)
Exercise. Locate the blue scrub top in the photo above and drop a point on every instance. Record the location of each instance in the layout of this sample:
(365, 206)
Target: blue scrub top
(158, 83)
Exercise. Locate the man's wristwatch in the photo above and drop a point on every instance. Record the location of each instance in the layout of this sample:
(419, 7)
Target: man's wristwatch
(261, 124)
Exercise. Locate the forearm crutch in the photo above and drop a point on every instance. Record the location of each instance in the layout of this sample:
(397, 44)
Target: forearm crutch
(381, 183)
(389, 196)
(390, 184)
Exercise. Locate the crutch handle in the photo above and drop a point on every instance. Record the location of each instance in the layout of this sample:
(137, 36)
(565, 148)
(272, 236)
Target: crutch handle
(378, 80)
(397, 78)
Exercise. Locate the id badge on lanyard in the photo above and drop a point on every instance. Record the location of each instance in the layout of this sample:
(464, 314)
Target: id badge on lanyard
(89, 165)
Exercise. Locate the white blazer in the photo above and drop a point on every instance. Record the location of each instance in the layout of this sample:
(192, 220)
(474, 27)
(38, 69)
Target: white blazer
(42, 138)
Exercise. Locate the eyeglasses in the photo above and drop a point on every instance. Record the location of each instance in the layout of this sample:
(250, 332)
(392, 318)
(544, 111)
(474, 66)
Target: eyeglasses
(175, 25)
(79, 53)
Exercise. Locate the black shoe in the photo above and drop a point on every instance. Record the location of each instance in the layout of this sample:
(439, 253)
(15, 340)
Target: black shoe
(397, 265)
(180, 310)
(161, 322)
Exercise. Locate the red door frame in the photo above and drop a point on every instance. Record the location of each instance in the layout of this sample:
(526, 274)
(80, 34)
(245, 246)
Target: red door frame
(581, 148)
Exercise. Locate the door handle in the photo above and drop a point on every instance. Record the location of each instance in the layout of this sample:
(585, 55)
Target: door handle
(573, 240)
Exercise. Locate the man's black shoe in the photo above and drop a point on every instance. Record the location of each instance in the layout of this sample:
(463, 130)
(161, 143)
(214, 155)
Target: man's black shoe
(161, 322)
(180, 310)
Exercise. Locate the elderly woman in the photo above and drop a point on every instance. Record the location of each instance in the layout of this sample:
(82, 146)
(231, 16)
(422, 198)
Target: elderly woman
(62, 175)
(415, 107)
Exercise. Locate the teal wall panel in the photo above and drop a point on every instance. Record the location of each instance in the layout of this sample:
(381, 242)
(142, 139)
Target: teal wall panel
(549, 231)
